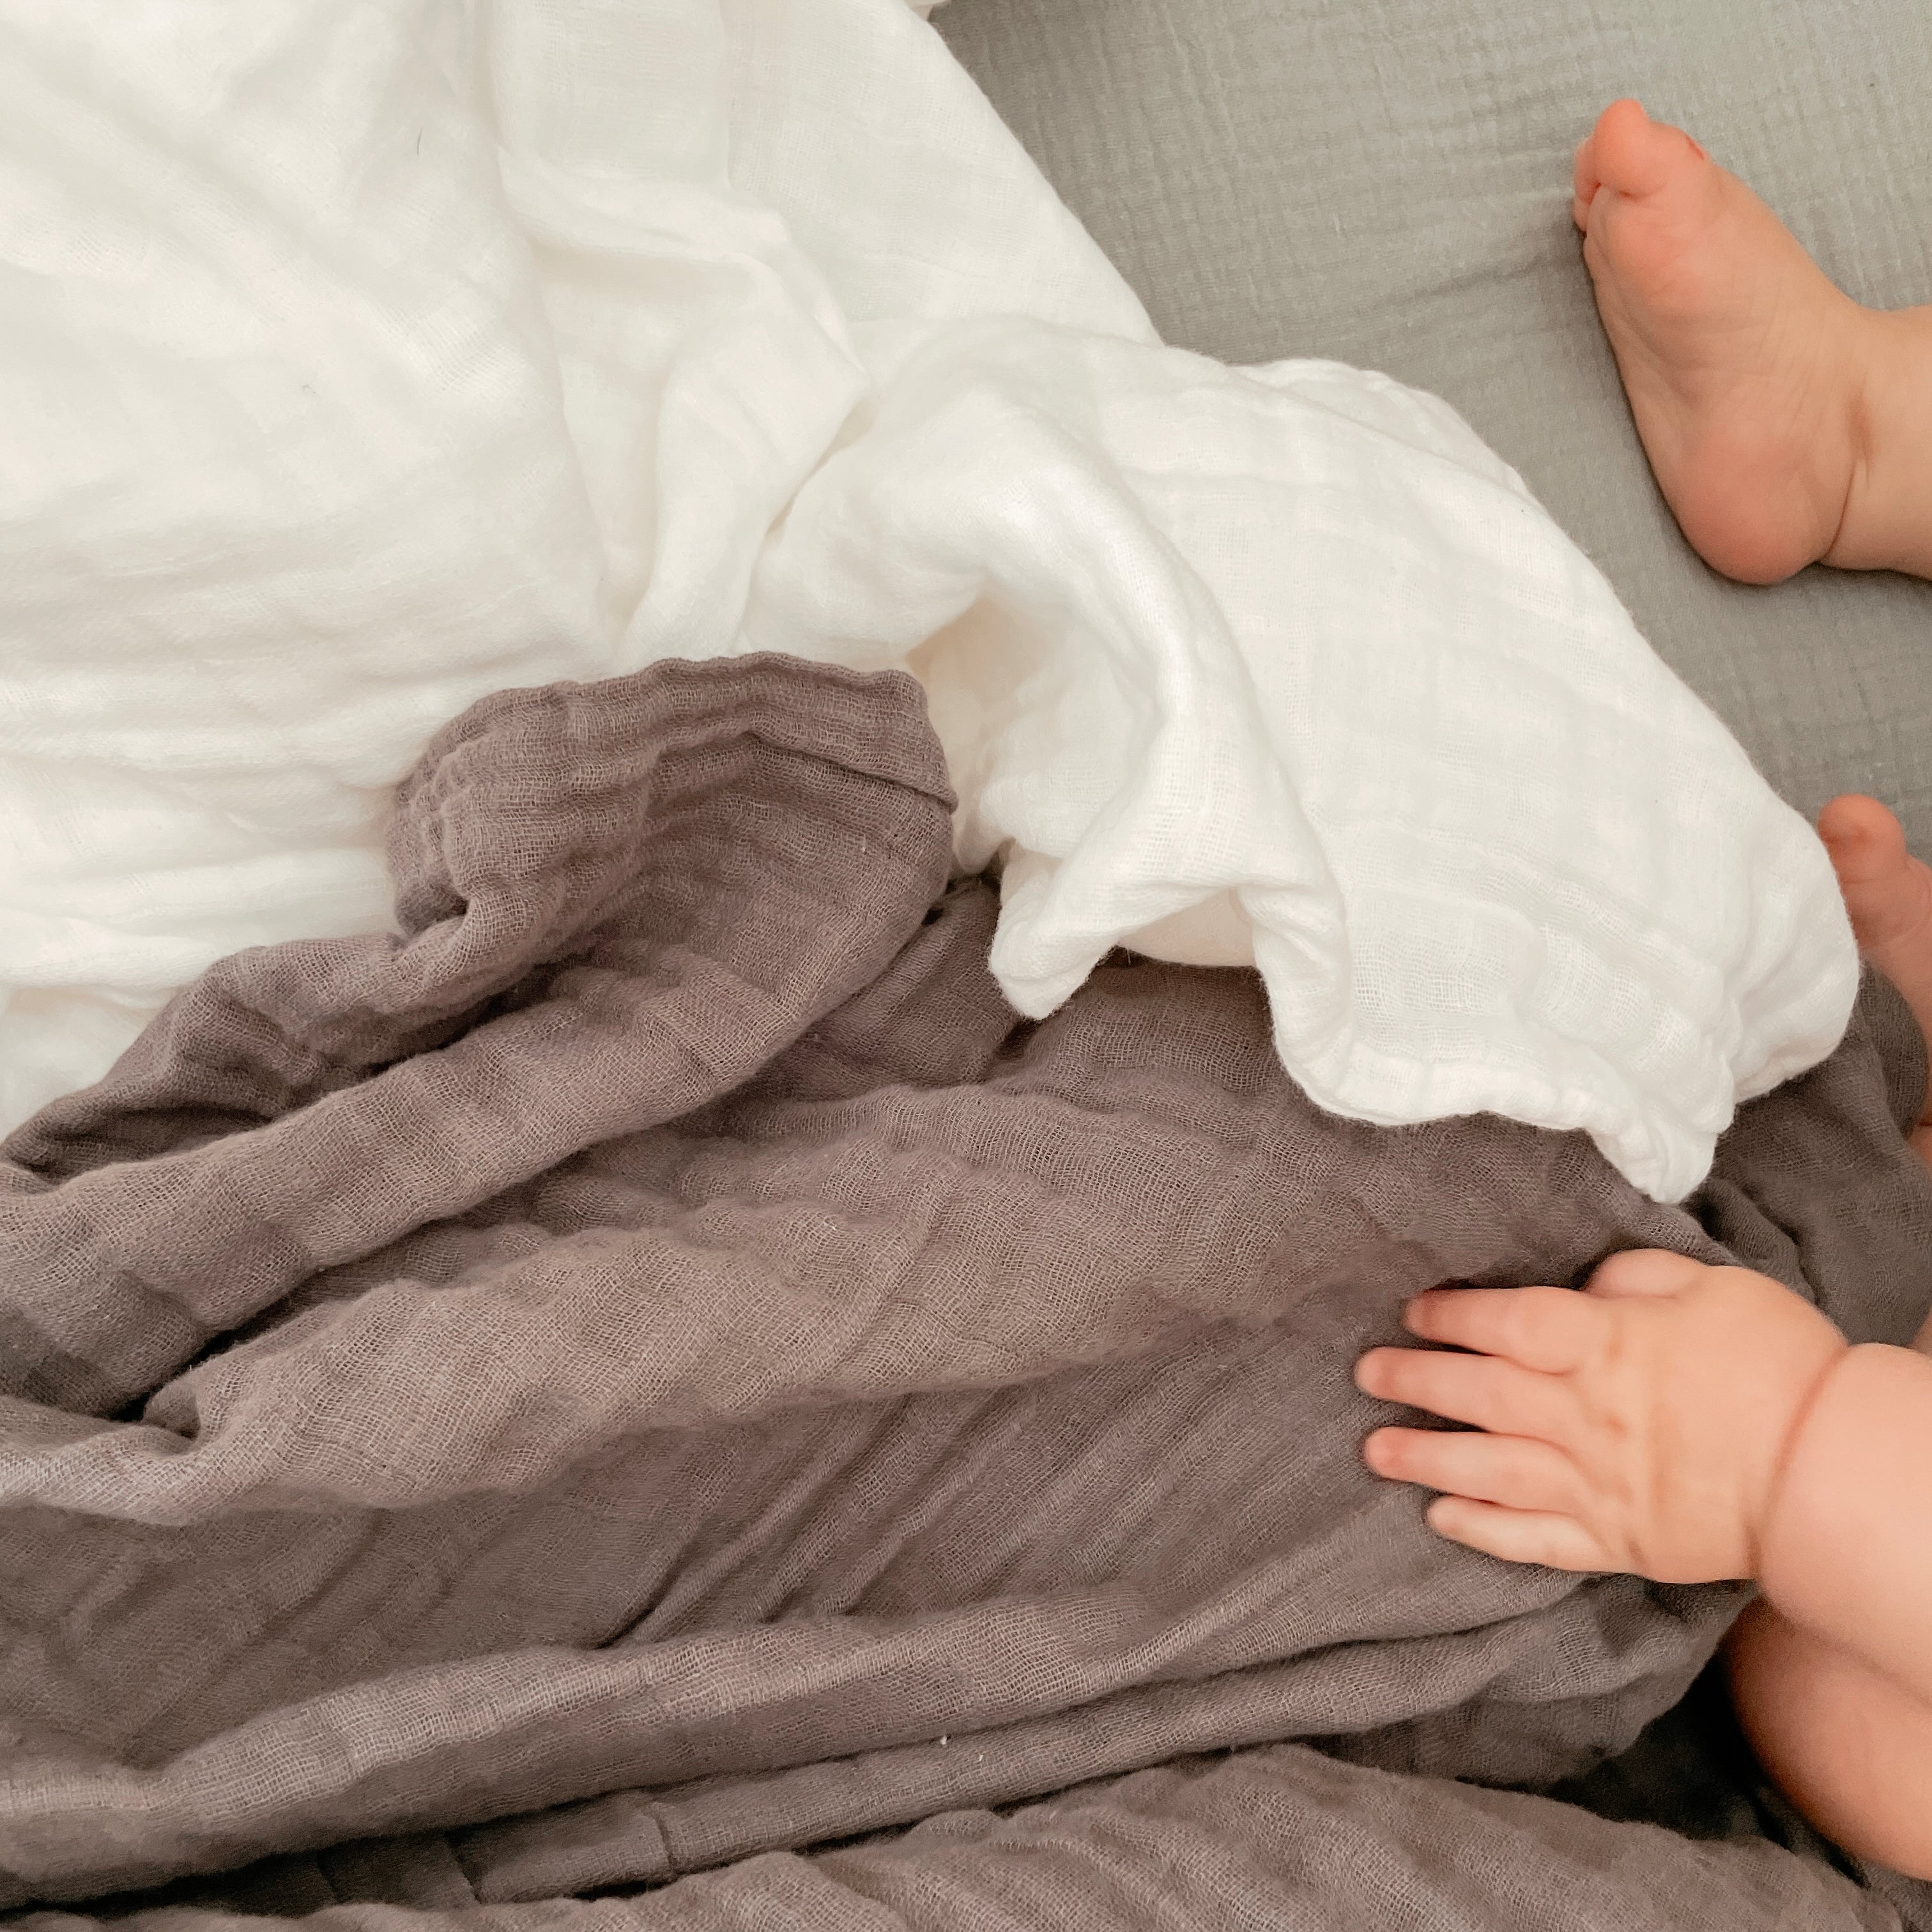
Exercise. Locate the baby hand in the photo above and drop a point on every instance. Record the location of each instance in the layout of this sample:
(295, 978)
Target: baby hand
(1639, 1426)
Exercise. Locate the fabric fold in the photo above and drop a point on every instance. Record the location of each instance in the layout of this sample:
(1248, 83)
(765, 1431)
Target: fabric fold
(367, 363)
(659, 1323)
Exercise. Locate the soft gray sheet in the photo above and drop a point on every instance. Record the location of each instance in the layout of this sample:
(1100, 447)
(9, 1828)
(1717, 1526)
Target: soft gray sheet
(656, 1365)
(1387, 183)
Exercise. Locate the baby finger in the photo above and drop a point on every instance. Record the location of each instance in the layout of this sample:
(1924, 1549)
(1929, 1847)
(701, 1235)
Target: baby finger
(1549, 1329)
(1507, 1469)
(1517, 1536)
(1480, 1390)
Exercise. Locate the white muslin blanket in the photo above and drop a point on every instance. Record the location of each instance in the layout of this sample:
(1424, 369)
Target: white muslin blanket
(358, 357)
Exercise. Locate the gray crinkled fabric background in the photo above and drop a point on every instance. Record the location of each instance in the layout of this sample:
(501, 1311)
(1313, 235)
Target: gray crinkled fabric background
(533, 1703)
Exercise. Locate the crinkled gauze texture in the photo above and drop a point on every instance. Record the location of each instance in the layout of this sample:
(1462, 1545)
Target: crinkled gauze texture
(357, 360)
(654, 1362)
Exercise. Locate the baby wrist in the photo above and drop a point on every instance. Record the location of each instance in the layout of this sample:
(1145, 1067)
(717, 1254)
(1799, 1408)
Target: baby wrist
(1846, 1441)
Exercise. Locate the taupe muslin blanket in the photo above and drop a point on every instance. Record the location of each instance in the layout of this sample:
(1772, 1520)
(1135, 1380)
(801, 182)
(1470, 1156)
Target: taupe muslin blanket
(653, 1364)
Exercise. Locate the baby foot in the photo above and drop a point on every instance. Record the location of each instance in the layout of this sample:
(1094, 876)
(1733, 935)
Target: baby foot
(1744, 364)
(1889, 895)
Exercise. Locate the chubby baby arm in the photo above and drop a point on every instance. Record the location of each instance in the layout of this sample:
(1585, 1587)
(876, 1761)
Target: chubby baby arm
(1832, 1671)
(1689, 1424)
(1851, 1748)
